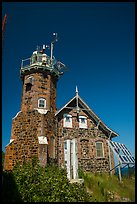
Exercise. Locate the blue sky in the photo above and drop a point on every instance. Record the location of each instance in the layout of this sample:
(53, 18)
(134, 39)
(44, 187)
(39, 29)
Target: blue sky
(96, 42)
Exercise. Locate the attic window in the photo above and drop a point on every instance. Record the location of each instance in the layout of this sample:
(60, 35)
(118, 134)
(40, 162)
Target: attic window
(42, 103)
(82, 122)
(67, 120)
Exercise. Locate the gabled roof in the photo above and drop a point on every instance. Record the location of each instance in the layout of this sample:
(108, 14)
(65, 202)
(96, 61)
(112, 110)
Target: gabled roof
(80, 104)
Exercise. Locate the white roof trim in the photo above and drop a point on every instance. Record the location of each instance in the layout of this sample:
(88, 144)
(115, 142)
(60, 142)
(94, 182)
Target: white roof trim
(102, 124)
(16, 115)
(64, 106)
(99, 120)
(11, 140)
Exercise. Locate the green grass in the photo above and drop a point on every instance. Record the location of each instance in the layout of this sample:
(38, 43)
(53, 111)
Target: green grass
(106, 188)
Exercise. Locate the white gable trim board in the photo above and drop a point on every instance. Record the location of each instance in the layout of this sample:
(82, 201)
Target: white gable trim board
(91, 113)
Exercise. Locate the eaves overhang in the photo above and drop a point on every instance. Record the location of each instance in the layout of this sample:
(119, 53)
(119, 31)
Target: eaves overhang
(86, 108)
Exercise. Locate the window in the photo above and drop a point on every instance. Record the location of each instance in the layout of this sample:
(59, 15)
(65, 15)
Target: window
(39, 58)
(99, 149)
(41, 103)
(29, 83)
(34, 58)
(82, 122)
(67, 120)
(65, 145)
(28, 87)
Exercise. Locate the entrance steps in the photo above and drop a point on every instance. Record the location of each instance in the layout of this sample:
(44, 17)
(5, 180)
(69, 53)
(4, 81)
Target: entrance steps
(80, 181)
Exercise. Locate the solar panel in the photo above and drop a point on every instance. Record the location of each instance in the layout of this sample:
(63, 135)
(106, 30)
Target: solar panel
(122, 152)
(125, 159)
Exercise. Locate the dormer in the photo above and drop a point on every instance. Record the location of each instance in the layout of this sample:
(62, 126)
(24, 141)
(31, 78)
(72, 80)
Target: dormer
(82, 121)
(67, 120)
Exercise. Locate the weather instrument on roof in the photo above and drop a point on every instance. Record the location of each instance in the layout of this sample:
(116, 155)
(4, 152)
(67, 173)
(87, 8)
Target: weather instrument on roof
(41, 61)
(123, 155)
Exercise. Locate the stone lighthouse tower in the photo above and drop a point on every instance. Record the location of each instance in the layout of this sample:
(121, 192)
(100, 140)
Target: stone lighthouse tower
(34, 126)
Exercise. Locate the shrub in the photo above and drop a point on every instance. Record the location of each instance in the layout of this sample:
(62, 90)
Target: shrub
(38, 184)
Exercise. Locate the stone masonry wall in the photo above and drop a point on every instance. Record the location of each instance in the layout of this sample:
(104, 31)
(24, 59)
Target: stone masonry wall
(25, 129)
(86, 139)
(29, 124)
(44, 85)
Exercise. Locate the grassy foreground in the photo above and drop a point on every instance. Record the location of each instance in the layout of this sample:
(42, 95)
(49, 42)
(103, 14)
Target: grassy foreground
(32, 183)
(106, 188)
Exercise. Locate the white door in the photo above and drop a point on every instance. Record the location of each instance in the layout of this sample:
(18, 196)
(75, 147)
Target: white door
(71, 158)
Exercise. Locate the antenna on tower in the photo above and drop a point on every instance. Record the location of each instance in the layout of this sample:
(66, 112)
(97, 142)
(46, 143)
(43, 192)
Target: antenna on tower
(52, 44)
(38, 48)
(43, 47)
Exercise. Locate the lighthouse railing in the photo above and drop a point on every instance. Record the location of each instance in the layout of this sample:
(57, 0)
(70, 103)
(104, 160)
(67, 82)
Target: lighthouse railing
(25, 63)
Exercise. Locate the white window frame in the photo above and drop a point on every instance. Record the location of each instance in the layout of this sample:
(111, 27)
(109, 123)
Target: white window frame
(102, 149)
(42, 99)
(81, 124)
(67, 123)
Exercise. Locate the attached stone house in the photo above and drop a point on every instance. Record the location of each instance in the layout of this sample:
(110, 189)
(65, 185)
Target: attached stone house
(82, 139)
(74, 136)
